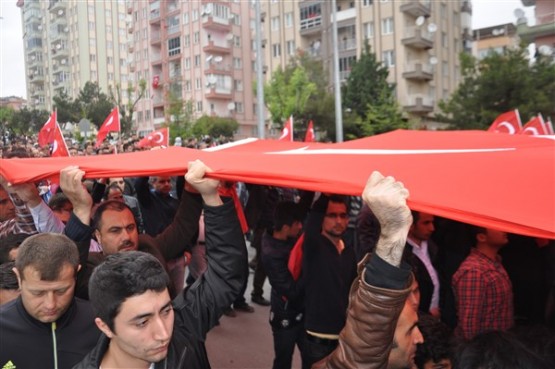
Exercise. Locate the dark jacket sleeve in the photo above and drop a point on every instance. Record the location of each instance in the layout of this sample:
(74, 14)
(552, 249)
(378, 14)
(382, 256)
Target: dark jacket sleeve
(313, 226)
(143, 191)
(201, 305)
(366, 339)
(181, 234)
(281, 280)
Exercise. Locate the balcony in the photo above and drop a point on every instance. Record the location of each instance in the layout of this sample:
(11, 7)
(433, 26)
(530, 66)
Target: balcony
(213, 47)
(416, 8)
(155, 58)
(347, 44)
(216, 23)
(157, 100)
(343, 75)
(154, 17)
(418, 38)
(57, 5)
(216, 68)
(418, 72)
(313, 51)
(311, 25)
(218, 93)
(419, 104)
(344, 15)
(60, 52)
(155, 37)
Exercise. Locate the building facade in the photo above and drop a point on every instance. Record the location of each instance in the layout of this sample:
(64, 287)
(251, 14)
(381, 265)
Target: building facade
(71, 42)
(494, 39)
(419, 40)
(542, 33)
(197, 52)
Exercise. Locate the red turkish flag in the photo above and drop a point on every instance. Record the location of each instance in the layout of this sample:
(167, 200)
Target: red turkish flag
(310, 136)
(159, 137)
(508, 122)
(549, 126)
(535, 127)
(111, 124)
(46, 134)
(59, 147)
(295, 262)
(287, 132)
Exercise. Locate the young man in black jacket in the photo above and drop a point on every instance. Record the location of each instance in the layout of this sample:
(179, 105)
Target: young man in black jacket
(142, 327)
(46, 327)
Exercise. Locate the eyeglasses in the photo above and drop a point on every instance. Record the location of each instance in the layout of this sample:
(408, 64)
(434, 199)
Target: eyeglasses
(335, 215)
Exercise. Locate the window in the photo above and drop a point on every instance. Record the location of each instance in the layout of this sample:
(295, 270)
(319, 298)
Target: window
(91, 26)
(445, 69)
(187, 63)
(368, 29)
(444, 39)
(388, 58)
(238, 85)
(194, 16)
(367, 2)
(275, 23)
(187, 85)
(187, 40)
(172, 24)
(236, 19)
(288, 20)
(238, 107)
(110, 76)
(387, 26)
(92, 58)
(122, 62)
(174, 46)
(443, 11)
(109, 45)
(199, 106)
(276, 50)
(345, 63)
(109, 60)
(198, 84)
(108, 13)
(290, 47)
(196, 37)
(185, 18)
(197, 61)
(237, 41)
(237, 63)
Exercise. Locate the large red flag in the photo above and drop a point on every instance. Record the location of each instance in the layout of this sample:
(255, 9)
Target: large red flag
(159, 137)
(59, 147)
(535, 127)
(310, 136)
(46, 134)
(508, 122)
(287, 133)
(111, 124)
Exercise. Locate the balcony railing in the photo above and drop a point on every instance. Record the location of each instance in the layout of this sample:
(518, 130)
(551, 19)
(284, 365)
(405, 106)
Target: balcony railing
(347, 44)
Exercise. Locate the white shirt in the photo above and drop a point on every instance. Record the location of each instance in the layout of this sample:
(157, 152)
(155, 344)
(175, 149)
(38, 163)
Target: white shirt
(421, 251)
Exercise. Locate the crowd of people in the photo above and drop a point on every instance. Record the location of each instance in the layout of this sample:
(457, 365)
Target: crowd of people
(134, 272)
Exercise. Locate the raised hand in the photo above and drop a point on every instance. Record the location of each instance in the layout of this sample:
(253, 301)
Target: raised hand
(207, 187)
(71, 183)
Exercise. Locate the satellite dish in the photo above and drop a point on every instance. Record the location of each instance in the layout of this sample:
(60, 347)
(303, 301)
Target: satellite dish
(432, 27)
(63, 61)
(229, 37)
(58, 46)
(231, 106)
(218, 59)
(212, 79)
(39, 27)
(208, 8)
(433, 60)
(316, 45)
(209, 58)
(60, 12)
(420, 20)
(519, 13)
(545, 50)
(66, 29)
(33, 57)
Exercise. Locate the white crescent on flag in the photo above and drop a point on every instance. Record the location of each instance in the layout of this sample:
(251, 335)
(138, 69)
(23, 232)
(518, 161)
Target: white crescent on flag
(54, 146)
(160, 137)
(508, 126)
(285, 133)
(110, 121)
(531, 131)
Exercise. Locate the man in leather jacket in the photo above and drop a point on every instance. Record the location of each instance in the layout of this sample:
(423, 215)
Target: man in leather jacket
(374, 336)
(141, 326)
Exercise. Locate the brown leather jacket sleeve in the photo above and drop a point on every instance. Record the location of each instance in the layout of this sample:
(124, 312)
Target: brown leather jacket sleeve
(365, 341)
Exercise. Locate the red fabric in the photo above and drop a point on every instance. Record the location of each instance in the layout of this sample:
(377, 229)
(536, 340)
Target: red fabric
(287, 132)
(232, 192)
(493, 180)
(160, 137)
(111, 124)
(535, 127)
(46, 133)
(59, 147)
(549, 126)
(295, 262)
(310, 137)
(508, 122)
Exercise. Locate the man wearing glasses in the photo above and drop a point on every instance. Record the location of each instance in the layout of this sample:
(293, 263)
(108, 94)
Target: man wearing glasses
(329, 269)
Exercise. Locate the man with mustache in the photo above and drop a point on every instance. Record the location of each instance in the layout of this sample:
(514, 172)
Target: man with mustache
(115, 229)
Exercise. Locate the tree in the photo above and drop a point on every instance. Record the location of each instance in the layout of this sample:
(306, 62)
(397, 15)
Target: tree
(181, 117)
(134, 94)
(6, 116)
(499, 83)
(369, 100)
(215, 127)
(67, 109)
(28, 120)
(95, 104)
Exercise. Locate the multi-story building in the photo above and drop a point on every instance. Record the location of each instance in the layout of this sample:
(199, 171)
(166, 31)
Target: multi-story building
(494, 39)
(543, 32)
(193, 51)
(70, 42)
(12, 102)
(418, 40)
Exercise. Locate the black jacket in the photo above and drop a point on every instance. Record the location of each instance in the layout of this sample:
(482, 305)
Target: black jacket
(198, 308)
(29, 344)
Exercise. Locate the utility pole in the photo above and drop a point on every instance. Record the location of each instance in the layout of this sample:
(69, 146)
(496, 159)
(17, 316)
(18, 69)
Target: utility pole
(259, 73)
(336, 81)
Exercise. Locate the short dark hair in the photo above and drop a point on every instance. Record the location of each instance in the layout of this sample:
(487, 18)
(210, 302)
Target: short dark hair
(107, 205)
(112, 186)
(47, 253)
(496, 349)
(475, 231)
(339, 199)
(437, 341)
(10, 242)
(415, 216)
(121, 276)
(286, 213)
(58, 201)
(8, 279)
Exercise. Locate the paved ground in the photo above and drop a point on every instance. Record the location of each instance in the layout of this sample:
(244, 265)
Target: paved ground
(244, 342)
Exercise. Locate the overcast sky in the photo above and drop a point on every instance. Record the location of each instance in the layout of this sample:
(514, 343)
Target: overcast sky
(485, 13)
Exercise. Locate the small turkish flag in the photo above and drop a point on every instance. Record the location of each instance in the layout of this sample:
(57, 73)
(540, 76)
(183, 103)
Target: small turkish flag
(287, 132)
(59, 147)
(160, 137)
(295, 261)
(508, 122)
(310, 136)
(535, 127)
(111, 124)
(46, 134)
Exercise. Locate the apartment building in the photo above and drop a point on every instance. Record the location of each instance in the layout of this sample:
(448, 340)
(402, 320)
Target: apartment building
(194, 51)
(542, 32)
(494, 39)
(70, 42)
(418, 40)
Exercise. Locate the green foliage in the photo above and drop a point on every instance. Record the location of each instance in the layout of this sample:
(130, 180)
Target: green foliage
(181, 115)
(67, 109)
(215, 127)
(27, 120)
(134, 94)
(499, 83)
(95, 104)
(6, 114)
